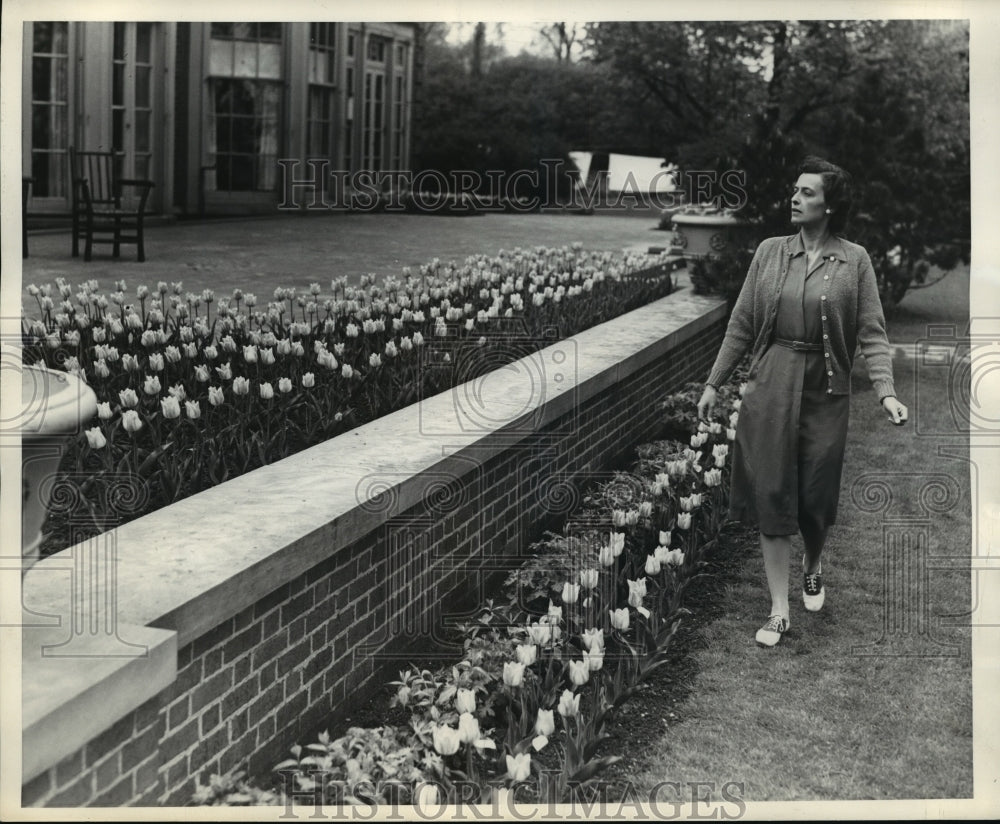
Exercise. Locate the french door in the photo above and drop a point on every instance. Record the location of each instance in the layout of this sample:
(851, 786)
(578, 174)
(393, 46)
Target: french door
(134, 98)
(373, 137)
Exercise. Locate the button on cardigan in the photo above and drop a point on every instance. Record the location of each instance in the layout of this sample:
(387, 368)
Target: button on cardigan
(852, 314)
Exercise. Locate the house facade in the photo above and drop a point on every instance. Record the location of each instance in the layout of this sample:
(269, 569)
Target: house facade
(207, 110)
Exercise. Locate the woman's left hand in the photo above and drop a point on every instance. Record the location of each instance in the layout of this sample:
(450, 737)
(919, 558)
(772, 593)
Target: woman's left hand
(897, 411)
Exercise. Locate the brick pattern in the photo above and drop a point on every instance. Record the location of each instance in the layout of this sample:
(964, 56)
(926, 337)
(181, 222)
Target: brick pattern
(261, 680)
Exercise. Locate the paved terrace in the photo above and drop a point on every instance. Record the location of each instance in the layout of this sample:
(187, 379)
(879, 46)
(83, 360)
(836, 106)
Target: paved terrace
(260, 253)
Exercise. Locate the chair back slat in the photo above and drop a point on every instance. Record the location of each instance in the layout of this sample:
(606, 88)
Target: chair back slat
(102, 171)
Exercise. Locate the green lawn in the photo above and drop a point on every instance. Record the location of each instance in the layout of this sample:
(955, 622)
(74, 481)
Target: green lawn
(831, 713)
(944, 302)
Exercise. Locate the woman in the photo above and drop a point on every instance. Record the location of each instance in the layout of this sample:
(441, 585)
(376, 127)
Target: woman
(809, 300)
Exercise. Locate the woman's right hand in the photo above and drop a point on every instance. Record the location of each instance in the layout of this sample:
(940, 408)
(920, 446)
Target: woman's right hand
(707, 403)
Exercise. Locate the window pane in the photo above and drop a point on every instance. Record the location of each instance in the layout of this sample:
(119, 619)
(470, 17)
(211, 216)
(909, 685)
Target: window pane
(118, 128)
(50, 38)
(60, 127)
(41, 78)
(221, 173)
(267, 137)
(142, 121)
(49, 127)
(314, 146)
(241, 173)
(60, 38)
(220, 57)
(270, 31)
(118, 84)
(270, 61)
(144, 42)
(143, 164)
(222, 29)
(270, 99)
(244, 31)
(119, 46)
(219, 136)
(266, 172)
(143, 86)
(60, 71)
(245, 59)
(50, 173)
(243, 139)
(244, 98)
(41, 133)
(42, 38)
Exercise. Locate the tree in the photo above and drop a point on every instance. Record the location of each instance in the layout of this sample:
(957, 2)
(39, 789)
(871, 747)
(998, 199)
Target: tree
(887, 99)
(562, 37)
(520, 112)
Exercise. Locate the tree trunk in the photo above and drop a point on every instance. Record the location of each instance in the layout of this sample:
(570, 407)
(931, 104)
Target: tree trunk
(478, 41)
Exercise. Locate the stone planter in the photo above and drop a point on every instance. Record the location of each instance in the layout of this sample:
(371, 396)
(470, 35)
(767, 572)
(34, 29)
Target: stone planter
(699, 236)
(54, 405)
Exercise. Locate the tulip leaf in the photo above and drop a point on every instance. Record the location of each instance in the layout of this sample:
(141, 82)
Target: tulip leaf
(591, 747)
(150, 462)
(523, 745)
(591, 768)
(572, 752)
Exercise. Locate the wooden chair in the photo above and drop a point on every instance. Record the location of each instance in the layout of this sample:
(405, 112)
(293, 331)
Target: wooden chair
(102, 213)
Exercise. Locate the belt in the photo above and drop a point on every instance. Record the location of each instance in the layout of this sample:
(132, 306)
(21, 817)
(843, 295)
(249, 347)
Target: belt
(799, 346)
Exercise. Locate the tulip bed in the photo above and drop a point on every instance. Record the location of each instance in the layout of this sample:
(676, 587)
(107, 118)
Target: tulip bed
(193, 390)
(582, 623)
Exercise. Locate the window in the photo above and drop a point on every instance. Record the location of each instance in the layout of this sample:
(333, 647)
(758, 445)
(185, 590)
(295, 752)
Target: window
(399, 122)
(349, 86)
(320, 121)
(376, 49)
(245, 100)
(322, 79)
(268, 32)
(374, 120)
(132, 96)
(322, 49)
(50, 109)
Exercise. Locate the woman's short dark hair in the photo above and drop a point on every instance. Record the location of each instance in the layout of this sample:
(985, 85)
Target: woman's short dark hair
(837, 186)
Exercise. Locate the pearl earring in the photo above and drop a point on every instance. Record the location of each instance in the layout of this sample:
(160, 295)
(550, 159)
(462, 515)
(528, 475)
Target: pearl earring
(829, 211)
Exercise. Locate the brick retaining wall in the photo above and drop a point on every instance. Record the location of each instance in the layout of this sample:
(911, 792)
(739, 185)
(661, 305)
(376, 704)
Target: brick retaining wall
(313, 647)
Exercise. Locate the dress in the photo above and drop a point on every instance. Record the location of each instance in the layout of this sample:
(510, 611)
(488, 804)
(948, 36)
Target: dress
(790, 437)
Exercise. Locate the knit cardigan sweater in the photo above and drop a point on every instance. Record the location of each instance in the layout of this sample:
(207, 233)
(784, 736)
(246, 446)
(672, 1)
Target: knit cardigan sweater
(852, 315)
